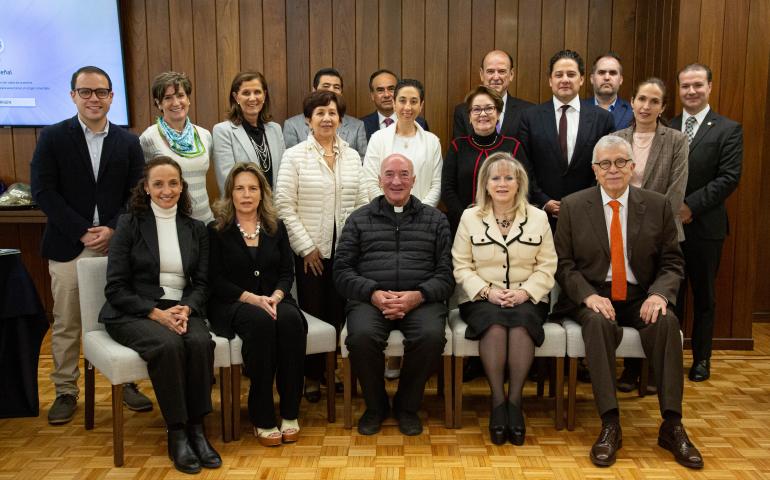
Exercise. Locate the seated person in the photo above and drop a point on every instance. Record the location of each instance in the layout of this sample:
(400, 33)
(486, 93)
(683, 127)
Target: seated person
(505, 308)
(620, 265)
(252, 269)
(157, 278)
(393, 264)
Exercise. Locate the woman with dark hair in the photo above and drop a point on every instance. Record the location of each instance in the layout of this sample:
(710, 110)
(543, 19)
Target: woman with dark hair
(157, 278)
(173, 135)
(248, 134)
(318, 188)
(252, 271)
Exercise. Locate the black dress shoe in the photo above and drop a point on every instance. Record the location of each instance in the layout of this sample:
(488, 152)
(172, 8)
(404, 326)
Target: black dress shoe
(674, 439)
(312, 391)
(628, 380)
(134, 399)
(208, 457)
(516, 428)
(409, 423)
(181, 453)
(371, 421)
(498, 424)
(700, 371)
(607, 445)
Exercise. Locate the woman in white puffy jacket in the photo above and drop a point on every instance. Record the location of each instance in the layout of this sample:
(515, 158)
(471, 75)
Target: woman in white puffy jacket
(318, 187)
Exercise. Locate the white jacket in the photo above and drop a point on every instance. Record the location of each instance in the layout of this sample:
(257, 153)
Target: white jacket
(427, 166)
(312, 200)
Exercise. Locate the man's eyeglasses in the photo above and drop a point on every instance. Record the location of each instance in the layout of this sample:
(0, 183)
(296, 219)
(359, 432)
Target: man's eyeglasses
(85, 93)
(476, 111)
(619, 163)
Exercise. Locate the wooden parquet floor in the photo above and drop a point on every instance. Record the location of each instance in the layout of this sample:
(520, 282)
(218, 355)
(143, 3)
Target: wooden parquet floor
(728, 418)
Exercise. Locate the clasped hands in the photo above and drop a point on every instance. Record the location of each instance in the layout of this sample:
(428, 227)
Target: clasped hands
(97, 239)
(268, 304)
(654, 306)
(174, 318)
(395, 305)
(505, 297)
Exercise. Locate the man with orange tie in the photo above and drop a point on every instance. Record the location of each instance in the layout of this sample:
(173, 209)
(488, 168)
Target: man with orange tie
(620, 265)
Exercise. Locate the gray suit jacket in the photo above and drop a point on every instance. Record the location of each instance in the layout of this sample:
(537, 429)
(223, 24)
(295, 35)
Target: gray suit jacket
(352, 130)
(231, 144)
(666, 168)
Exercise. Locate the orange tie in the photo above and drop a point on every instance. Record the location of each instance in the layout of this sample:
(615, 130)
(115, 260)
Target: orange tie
(616, 251)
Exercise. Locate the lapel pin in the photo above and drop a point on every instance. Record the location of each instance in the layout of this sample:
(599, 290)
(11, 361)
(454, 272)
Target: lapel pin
(709, 123)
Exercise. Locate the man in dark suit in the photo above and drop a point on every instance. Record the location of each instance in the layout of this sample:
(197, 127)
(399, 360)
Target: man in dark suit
(606, 79)
(620, 265)
(716, 153)
(559, 135)
(82, 171)
(382, 88)
(497, 73)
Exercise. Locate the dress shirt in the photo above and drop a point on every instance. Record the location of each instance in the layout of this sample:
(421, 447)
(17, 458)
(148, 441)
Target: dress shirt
(623, 213)
(381, 119)
(95, 141)
(501, 114)
(612, 105)
(699, 118)
(573, 122)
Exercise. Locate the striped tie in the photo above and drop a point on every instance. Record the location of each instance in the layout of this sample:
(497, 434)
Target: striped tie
(689, 129)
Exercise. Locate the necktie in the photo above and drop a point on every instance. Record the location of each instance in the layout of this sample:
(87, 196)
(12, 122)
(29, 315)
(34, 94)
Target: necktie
(388, 122)
(563, 134)
(689, 129)
(616, 254)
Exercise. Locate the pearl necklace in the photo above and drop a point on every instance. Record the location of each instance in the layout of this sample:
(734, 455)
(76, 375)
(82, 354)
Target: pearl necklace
(249, 236)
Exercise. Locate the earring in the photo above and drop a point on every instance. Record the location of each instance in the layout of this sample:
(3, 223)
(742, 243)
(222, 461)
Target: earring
(146, 192)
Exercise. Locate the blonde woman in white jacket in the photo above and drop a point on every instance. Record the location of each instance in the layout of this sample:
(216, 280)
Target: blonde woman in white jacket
(318, 187)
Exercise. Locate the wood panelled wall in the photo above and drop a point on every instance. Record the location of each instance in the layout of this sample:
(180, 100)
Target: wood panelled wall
(441, 42)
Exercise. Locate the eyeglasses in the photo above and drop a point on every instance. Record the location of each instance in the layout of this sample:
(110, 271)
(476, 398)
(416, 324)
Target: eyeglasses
(85, 93)
(489, 109)
(619, 163)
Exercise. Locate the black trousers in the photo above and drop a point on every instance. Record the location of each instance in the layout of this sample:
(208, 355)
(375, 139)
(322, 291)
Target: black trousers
(661, 342)
(181, 367)
(424, 340)
(272, 349)
(702, 258)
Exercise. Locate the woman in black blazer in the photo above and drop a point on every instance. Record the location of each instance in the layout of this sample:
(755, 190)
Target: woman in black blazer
(252, 271)
(157, 277)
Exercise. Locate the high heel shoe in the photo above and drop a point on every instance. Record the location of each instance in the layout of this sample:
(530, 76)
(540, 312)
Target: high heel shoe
(516, 428)
(498, 418)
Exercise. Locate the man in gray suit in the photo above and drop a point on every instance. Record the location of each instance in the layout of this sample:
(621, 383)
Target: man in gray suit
(296, 130)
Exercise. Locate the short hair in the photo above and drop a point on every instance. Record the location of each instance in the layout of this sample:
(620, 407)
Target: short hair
(611, 141)
(89, 69)
(484, 58)
(377, 73)
(483, 199)
(327, 71)
(140, 200)
(224, 210)
(168, 79)
(609, 54)
(695, 67)
(484, 90)
(322, 98)
(410, 82)
(235, 114)
(568, 55)
(397, 155)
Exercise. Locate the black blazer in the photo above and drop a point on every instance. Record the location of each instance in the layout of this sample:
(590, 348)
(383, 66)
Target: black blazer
(233, 271)
(714, 162)
(64, 186)
(372, 124)
(511, 120)
(549, 177)
(133, 267)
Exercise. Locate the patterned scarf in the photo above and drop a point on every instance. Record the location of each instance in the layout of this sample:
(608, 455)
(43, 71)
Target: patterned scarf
(186, 144)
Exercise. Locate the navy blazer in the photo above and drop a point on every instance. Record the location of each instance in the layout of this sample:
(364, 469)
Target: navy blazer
(550, 178)
(511, 120)
(64, 187)
(623, 114)
(372, 124)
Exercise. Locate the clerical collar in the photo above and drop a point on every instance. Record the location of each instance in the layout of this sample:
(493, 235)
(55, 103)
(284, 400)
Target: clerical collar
(398, 209)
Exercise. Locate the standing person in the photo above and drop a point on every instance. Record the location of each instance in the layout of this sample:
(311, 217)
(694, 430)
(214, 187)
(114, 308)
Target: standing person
(251, 273)
(319, 185)
(606, 78)
(382, 89)
(248, 134)
(173, 135)
(82, 173)
(715, 157)
(496, 72)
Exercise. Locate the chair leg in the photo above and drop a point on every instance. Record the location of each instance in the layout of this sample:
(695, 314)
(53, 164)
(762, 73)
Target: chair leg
(331, 391)
(117, 425)
(571, 393)
(447, 390)
(90, 392)
(235, 414)
(457, 380)
(644, 377)
(347, 409)
(552, 377)
(539, 366)
(226, 402)
(559, 394)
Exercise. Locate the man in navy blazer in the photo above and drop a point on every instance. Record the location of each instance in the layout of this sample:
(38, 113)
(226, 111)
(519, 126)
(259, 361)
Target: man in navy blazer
(606, 79)
(82, 171)
(382, 88)
(561, 164)
(714, 162)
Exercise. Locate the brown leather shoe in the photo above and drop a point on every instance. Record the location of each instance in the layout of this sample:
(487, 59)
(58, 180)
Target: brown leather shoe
(674, 439)
(607, 445)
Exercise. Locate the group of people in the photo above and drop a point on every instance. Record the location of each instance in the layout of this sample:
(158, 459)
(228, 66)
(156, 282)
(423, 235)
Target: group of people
(596, 195)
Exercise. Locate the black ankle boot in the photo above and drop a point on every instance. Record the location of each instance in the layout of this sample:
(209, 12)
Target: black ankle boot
(181, 453)
(516, 428)
(208, 457)
(498, 418)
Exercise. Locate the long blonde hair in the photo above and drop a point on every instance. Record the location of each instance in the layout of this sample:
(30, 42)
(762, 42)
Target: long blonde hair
(484, 200)
(224, 211)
